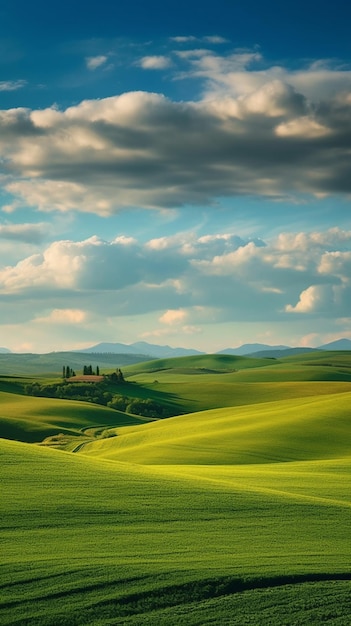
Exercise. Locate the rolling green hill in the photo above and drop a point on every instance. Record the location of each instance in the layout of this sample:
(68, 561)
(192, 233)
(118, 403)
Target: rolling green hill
(312, 366)
(235, 512)
(34, 419)
(208, 363)
(281, 431)
(89, 541)
(51, 364)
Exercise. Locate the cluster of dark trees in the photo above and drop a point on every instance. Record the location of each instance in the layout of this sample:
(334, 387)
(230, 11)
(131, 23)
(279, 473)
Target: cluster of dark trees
(67, 372)
(99, 393)
(137, 406)
(117, 376)
(89, 392)
(88, 371)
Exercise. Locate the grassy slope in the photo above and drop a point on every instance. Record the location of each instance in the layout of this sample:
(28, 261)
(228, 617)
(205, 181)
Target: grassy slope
(32, 419)
(194, 364)
(51, 364)
(237, 505)
(290, 430)
(198, 383)
(100, 542)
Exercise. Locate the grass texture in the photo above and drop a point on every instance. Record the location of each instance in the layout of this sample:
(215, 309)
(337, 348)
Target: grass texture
(233, 514)
(29, 419)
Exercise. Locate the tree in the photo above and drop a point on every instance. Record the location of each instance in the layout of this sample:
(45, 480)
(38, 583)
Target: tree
(120, 376)
(97, 371)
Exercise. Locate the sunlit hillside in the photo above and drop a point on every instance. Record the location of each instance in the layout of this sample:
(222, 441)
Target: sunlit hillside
(234, 511)
(289, 430)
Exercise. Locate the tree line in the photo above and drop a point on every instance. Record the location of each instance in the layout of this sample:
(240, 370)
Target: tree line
(68, 372)
(100, 393)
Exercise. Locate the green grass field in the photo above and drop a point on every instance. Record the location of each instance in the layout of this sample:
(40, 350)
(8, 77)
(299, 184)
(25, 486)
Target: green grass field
(229, 514)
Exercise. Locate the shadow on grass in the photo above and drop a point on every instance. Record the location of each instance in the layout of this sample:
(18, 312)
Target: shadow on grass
(197, 591)
(140, 603)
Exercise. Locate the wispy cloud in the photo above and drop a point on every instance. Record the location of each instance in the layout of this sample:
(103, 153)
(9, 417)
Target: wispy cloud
(183, 38)
(28, 233)
(93, 63)
(12, 85)
(213, 39)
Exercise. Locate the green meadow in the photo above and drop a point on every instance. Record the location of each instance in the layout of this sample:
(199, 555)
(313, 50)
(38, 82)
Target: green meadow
(235, 511)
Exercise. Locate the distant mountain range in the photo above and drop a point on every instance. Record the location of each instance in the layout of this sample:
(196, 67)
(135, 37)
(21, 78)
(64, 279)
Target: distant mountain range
(251, 348)
(140, 347)
(155, 351)
(267, 351)
(340, 344)
(148, 351)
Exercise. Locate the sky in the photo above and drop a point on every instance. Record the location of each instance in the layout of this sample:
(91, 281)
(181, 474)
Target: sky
(177, 173)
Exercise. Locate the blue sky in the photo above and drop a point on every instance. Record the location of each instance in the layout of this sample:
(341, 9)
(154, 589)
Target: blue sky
(174, 172)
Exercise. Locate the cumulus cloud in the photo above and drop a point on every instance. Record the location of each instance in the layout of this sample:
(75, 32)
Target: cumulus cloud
(272, 132)
(337, 263)
(155, 62)
(185, 281)
(314, 299)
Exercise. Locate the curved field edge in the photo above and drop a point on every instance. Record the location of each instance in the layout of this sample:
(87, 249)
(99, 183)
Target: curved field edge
(32, 419)
(289, 430)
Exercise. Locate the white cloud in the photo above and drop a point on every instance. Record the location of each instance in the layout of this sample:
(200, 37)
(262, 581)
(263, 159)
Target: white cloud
(265, 133)
(336, 263)
(183, 39)
(314, 299)
(93, 63)
(215, 39)
(302, 127)
(12, 85)
(172, 317)
(155, 62)
(226, 264)
(192, 54)
(29, 233)
(63, 316)
(185, 280)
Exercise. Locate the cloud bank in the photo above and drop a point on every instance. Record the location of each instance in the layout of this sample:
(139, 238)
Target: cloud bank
(184, 279)
(267, 132)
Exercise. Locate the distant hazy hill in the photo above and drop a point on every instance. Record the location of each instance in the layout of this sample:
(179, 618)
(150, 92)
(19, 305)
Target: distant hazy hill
(277, 354)
(340, 344)
(267, 351)
(154, 351)
(53, 362)
(5, 351)
(250, 348)
(140, 348)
